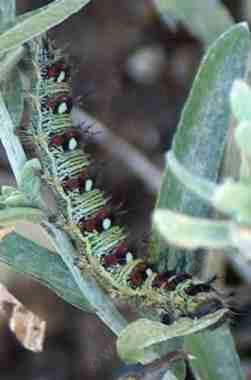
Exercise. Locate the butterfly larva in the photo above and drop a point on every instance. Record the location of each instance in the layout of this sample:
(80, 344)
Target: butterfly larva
(89, 218)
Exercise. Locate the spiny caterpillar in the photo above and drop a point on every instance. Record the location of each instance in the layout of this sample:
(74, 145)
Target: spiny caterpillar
(88, 216)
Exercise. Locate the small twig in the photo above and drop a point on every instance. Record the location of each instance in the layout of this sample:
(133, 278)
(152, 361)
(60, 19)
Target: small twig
(120, 149)
(12, 146)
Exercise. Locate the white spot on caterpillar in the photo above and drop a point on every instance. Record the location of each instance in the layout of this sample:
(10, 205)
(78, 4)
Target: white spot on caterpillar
(62, 108)
(149, 272)
(106, 224)
(61, 77)
(88, 185)
(129, 257)
(72, 144)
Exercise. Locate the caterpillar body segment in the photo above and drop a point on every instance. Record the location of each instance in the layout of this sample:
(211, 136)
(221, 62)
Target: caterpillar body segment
(89, 217)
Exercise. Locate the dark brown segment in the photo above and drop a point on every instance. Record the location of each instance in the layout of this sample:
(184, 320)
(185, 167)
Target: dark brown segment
(207, 308)
(161, 280)
(193, 290)
(54, 71)
(169, 280)
(117, 257)
(55, 104)
(76, 183)
(63, 140)
(95, 223)
(138, 275)
(178, 278)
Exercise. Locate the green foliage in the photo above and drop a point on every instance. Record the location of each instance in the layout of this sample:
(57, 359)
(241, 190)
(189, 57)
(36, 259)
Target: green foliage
(198, 145)
(134, 341)
(39, 22)
(28, 258)
(214, 354)
(200, 138)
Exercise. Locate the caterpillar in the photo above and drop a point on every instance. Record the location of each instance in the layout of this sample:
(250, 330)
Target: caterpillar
(88, 216)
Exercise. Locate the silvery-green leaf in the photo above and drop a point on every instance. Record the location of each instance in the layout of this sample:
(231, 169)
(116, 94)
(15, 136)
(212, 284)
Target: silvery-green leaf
(26, 257)
(13, 92)
(10, 141)
(30, 182)
(17, 200)
(10, 215)
(243, 137)
(7, 13)
(240, 98)
(135, 340)
(47, 17)
(199, 146)
(200, 138)
(234, 198)
(6, 191)
(220, 196)
(192, 233)
(200, 186)
(223, 364)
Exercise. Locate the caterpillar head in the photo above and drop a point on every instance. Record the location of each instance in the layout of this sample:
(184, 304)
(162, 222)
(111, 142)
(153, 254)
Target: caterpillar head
(196, 300)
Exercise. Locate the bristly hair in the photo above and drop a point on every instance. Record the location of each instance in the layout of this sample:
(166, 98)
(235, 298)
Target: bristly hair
(90, 218)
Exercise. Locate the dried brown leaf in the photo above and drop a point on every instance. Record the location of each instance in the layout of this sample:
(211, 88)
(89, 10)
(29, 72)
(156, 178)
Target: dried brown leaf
(28, 327)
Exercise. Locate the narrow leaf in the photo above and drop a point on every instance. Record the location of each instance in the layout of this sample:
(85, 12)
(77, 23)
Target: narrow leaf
(199, 145)
(201, 135)
(10, 142)
(192, 233)
(11, 215)
(217, 345)
(220, 196)
(26, 257)
(48, 17)
(12, 88)
(240, 98)
(138, 336)
(243, 138)
(7, 13)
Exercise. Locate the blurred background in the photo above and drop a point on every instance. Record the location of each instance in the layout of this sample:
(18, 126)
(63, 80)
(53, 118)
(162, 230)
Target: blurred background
(132, 72)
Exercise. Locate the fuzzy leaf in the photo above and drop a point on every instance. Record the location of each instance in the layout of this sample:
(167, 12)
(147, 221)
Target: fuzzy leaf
(220, 196)
(135, 340)
(217, 345)
(7, 191)
(12, 88)
(243, 137)
(240, 208)
(205, 19)
(10, 142)
(240, 98)
(48, 17)
(11, 215)
(200, 139)
(7, 13)
(26, 257)
(199, 145)
(30, 182)
(192, 233)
